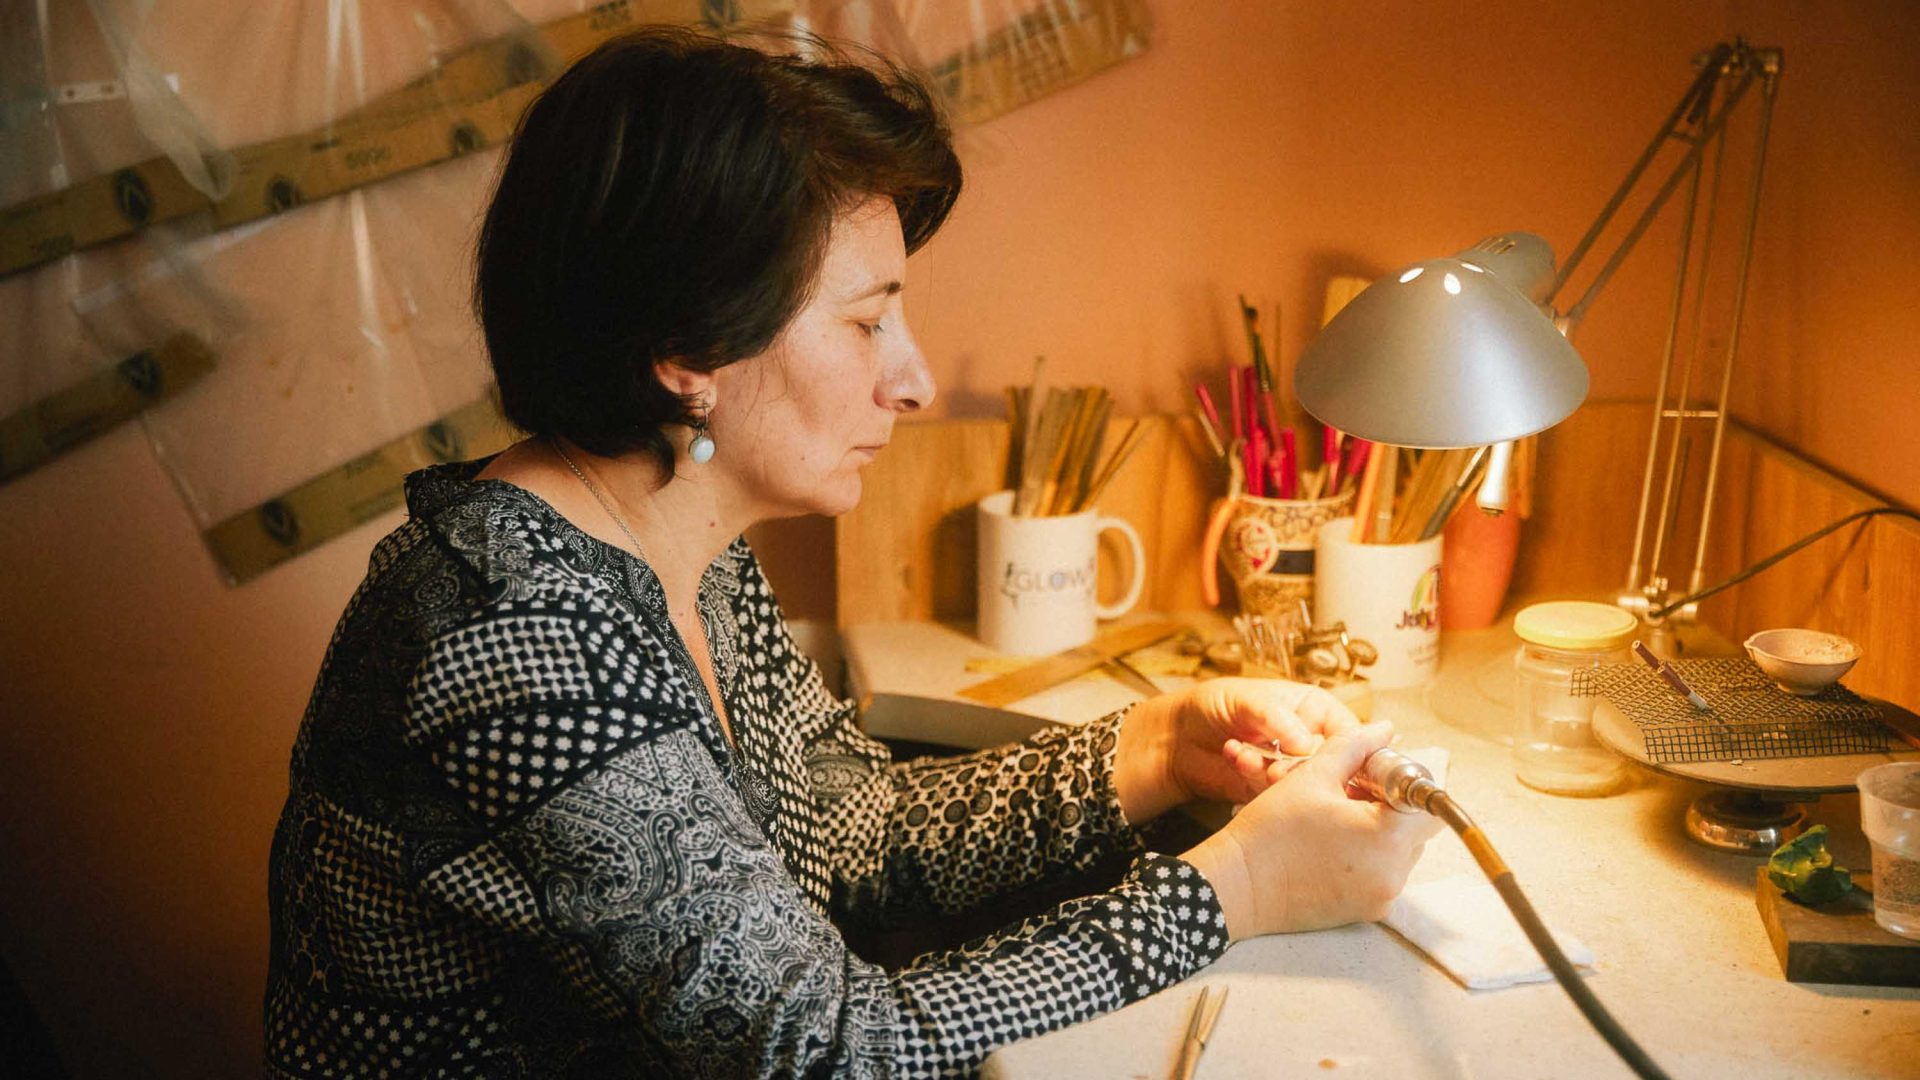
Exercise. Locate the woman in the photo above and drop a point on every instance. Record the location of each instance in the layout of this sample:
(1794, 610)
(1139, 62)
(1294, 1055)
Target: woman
(567, 800)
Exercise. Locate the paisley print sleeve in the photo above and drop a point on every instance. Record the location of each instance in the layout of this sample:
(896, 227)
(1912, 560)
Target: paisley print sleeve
(676, 917)
(940, 835)
(905, 840)
(516, 843)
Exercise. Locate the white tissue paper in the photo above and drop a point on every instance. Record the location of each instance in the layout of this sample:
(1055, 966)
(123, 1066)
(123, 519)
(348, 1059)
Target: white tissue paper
(1435, 758)
(1462, 923)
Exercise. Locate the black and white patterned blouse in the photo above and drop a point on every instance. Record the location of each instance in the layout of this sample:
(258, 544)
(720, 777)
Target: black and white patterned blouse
(518, 845)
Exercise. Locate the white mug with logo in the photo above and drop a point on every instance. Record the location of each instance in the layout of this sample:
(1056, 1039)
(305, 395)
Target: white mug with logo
(1036, 577)
(1387, 594)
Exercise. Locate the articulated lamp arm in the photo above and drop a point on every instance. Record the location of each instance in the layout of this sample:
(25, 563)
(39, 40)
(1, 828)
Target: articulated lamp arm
(1468, 350)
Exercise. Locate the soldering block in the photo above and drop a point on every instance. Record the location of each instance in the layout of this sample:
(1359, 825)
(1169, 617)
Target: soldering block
(1836, 942)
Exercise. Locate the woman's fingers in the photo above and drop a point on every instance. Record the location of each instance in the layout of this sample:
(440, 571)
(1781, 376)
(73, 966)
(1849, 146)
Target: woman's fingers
(1422, 827)
(1264, 712)
(1343, 754)
(1338, 758)
(1256, 769)
(1302, 857)
(1248, 765)
(1296, 716)
(1324, 713)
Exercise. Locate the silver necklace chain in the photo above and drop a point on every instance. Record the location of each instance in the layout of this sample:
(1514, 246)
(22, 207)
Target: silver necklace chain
(605, 503)
(620, 520)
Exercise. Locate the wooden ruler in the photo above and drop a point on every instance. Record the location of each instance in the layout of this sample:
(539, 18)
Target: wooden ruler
(254, 541)
(1002, 690)
(40, 432)
(1048, 48)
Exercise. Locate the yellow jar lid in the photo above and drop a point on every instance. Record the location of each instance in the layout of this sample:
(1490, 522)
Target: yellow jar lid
(1575, 624)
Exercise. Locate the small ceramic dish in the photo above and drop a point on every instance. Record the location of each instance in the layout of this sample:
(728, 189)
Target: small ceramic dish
(1802, 662)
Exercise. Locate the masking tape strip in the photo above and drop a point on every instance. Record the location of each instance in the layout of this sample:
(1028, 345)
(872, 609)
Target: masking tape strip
(53, 425)
(472, 100)
(254, 541)
(1047, 49)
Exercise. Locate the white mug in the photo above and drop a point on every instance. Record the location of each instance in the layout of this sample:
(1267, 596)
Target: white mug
(1387, 594)
(1036, 577)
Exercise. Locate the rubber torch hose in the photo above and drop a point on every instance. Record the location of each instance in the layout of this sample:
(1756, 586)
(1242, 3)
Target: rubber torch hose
(1441, 805)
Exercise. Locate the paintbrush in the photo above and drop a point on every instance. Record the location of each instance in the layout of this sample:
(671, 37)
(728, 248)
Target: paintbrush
(1451, 499)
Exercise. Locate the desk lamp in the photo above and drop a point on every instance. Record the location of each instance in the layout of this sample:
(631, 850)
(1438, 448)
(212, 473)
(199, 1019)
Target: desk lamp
(1469, 351)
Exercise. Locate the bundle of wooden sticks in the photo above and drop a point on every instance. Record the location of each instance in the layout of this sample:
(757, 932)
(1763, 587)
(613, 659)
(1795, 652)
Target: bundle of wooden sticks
(1053, 463)
(1401, 495)
(1437, 483)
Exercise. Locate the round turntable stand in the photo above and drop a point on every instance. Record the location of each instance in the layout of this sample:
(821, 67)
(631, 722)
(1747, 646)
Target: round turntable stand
(1758, 805)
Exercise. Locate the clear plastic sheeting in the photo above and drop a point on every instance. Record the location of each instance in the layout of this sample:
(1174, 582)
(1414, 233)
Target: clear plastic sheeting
(64, 118)
(988, 57)
(333, 347)
(312, 321)
(340, 324)
(297, 185)
(162, 117)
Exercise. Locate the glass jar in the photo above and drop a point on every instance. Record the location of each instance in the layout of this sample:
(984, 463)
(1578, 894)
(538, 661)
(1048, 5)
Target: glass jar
(1554, 749)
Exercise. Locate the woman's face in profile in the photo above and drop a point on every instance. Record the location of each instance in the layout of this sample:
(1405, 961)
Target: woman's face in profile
(795, 424)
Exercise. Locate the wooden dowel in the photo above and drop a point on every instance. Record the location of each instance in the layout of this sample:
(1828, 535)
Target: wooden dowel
(1066, 485)
(1384, 497)
(1134, 436)
(1419, 482)
(1048, 451)
(1363, 504)
(1097, 436)
(1062, 449)
(1037, 400)
(1016, 433)
(1436, 471)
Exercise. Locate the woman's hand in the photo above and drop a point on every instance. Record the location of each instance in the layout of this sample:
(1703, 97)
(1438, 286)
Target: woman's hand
(1304, 855)
(1194, 744)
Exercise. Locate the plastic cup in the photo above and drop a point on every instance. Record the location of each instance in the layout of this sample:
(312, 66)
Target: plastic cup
(1890, 816)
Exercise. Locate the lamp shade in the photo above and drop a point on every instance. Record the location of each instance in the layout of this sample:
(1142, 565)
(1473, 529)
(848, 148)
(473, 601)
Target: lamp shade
(1442, 354)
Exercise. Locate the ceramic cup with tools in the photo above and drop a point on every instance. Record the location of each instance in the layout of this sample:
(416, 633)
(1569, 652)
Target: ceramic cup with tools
(1388, 594)
(1037, 577)
(1267, 548)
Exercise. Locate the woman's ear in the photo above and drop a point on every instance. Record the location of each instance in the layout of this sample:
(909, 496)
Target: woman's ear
(684, 381)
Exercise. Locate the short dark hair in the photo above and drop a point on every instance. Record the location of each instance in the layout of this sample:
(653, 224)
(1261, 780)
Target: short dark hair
(670, 197)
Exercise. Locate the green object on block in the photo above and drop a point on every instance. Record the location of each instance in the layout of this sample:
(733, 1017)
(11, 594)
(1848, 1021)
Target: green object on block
(1803, 868)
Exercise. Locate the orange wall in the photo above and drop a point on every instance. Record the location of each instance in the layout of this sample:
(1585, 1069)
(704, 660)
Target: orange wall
(146, 709)
(1834, 326)
(1110, 227)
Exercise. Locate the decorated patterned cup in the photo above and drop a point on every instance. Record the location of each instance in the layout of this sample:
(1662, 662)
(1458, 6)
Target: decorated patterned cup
(1267, 548)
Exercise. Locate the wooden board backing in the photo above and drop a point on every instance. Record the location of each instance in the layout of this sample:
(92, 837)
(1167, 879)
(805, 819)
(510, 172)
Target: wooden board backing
(1862, 582)
(907, 552)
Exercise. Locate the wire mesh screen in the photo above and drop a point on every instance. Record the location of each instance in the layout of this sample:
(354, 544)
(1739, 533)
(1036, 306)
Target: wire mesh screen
(1750, 718)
